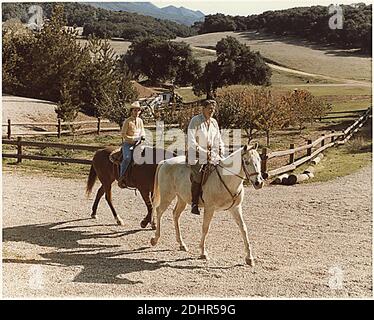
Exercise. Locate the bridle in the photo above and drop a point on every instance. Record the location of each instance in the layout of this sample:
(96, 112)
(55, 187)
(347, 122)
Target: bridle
(247, 176)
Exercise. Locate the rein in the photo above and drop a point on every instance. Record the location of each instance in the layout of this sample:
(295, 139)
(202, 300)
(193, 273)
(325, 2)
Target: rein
(236, 195)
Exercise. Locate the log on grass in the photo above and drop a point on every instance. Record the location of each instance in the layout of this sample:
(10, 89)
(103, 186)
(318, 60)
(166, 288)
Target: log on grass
(317, 159)
(282, 179)
(297, 178)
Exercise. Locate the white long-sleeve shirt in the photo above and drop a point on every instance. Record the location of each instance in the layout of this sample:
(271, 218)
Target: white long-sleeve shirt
(201, 136)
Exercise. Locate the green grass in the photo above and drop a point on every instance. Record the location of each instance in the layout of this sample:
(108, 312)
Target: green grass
(339, 90)
(203, 55)
(279, 78)
(351, 105)
(338, 162)
(52, 169)
(345, 159)
(188, 95)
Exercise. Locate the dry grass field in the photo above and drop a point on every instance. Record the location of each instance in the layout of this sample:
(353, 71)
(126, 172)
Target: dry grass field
(334, 65)
(297, 54)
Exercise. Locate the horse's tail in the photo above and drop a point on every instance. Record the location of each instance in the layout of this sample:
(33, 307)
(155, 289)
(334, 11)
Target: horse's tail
(156, 189)
(91, 180)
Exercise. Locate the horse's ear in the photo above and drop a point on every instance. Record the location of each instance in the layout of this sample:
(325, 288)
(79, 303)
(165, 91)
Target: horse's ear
(245, 147)
(255, 146)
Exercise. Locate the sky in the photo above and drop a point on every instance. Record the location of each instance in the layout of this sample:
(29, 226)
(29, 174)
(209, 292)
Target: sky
(247, 7)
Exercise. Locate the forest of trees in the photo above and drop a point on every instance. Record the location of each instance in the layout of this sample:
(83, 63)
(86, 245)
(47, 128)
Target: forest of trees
(311, 23)
(103, 23)
(52, 65)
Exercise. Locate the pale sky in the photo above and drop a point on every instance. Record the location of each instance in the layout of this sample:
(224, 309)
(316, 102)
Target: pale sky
(247, 7)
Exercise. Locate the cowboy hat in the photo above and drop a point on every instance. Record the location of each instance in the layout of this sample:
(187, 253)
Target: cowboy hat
(134, 105)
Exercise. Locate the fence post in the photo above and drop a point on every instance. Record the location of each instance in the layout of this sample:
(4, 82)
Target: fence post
(323, 141)
(264, 159)
(309, 150)
(98, 125)
(343, 136)
(58, 128)
(9, 133)
(292, 155)
(19, 149)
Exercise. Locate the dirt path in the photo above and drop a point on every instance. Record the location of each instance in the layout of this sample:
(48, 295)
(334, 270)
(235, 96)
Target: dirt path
(304, 238)
(29, 110)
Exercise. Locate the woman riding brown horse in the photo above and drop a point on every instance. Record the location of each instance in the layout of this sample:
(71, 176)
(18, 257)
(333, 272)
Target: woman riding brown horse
(139, 176)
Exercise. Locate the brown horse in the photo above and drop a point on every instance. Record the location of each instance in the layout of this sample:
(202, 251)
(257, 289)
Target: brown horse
(139, 176)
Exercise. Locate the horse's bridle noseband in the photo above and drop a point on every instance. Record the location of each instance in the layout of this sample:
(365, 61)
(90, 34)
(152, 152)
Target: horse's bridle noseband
(247, 174)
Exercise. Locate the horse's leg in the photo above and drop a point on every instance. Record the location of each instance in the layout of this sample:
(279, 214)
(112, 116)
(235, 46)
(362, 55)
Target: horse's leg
(108, 197)
(179, 207)
(208, 215)
(159, 211)
(99, 194)
(238, 216)
(148, 202)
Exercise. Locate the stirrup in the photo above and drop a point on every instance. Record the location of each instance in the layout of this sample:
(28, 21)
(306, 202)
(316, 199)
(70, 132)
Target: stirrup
(195, 209)
(121, 183)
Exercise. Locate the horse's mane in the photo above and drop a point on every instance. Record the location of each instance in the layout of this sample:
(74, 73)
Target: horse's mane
(230, 156)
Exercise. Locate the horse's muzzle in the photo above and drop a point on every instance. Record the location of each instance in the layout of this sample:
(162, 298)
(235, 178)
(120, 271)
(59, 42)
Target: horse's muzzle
(258, 184)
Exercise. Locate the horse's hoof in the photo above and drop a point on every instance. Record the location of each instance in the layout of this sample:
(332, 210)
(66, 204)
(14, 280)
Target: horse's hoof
(183, 247)
(93, 216)
(250, 261)
(120, 222)
(204, 257)
(153, 241)
(153, 226)
(144, 223)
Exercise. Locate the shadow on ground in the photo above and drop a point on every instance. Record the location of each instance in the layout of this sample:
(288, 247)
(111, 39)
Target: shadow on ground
(100, 263)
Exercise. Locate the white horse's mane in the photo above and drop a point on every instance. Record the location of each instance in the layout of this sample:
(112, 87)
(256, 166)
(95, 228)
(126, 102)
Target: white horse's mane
(230, 156)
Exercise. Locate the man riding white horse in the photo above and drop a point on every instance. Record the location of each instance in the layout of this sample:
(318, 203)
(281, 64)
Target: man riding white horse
(204, 144)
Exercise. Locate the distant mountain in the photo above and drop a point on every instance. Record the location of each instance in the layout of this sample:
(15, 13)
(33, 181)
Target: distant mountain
(181, 15)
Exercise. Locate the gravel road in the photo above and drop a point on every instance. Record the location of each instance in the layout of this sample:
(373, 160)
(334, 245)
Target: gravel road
(312, 240)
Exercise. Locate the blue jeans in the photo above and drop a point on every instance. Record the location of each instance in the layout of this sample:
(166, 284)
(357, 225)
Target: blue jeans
(127, 155)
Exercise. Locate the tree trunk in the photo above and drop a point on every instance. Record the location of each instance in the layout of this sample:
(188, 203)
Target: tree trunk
(268, 138)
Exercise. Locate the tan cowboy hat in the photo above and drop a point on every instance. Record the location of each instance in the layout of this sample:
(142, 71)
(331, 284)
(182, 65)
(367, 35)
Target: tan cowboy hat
(209, 102)
(135, 104)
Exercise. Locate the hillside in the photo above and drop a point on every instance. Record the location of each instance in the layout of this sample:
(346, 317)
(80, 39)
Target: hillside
(296, 54)
(103, 23)
(180, 15)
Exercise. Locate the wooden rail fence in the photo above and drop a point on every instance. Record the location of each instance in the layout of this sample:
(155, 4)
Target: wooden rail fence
(322, 143)
(98, 128)
(21, 143)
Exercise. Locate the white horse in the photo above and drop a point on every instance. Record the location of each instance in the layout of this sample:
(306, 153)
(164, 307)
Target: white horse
(222, 191)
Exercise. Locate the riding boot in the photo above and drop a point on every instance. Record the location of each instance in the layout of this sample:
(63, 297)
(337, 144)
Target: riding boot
(195, 191)
(121, 182)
